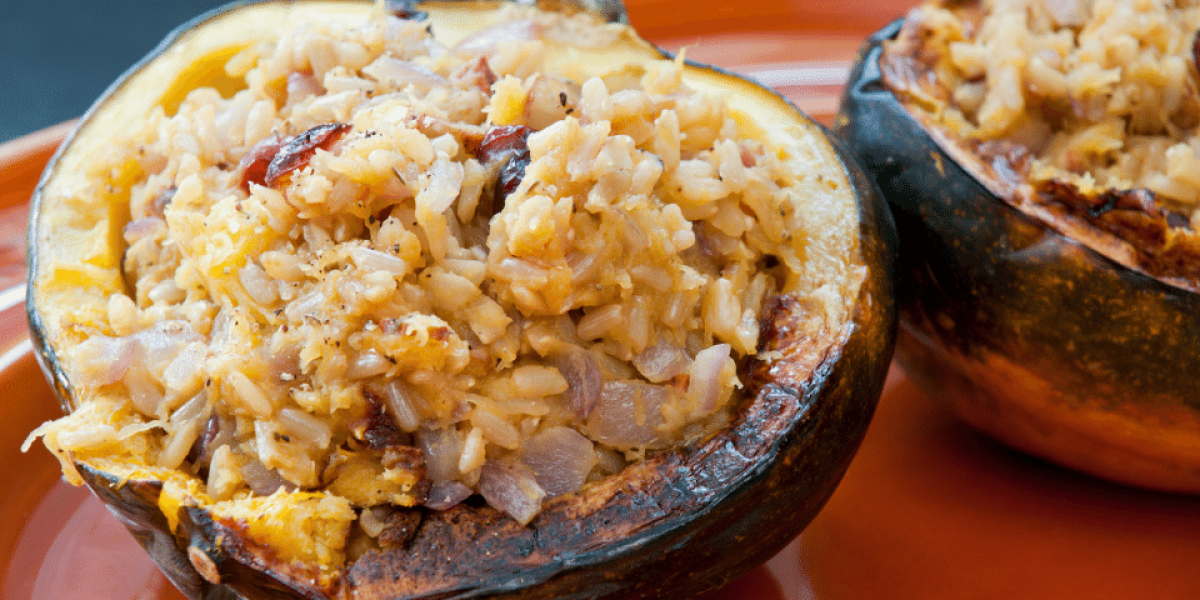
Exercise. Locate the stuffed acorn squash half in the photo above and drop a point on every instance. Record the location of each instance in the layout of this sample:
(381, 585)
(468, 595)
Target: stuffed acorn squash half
(1041, 159)
(454, 300)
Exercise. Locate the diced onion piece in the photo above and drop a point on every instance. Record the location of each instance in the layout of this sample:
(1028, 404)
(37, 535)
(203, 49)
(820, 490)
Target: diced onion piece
(584, 381)
(560, 459)
(444, 184)
(101, 360)
(510, 487)
(143, 227)
(662, 361)
(263, 481)
(485, 40)
(144, 391)
(629, 414)
(160, 344)
(302, 85)
(446, 494)
(185, 374)
(704, 384)
(442, 449)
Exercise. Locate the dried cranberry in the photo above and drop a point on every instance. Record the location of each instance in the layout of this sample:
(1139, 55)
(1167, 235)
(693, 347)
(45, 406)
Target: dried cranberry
(202, 449)
(508, 143)
(296, 153)
(254, 164)
(511, 175)
(500, 140)
(376, 428)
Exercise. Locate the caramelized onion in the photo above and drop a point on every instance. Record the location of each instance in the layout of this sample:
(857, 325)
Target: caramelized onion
(296, 152)
(254, 163)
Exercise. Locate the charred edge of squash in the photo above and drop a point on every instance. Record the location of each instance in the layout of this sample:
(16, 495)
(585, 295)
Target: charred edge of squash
(240, 563)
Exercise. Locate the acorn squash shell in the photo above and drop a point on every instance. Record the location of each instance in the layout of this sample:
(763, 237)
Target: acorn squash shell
(675, 525)
(1027, 334)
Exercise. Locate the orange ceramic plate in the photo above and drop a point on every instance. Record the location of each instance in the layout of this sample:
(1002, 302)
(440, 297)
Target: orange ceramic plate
(928, 509)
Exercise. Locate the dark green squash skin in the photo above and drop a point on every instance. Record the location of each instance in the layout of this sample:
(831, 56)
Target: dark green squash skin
(678, 524)
(985, 286)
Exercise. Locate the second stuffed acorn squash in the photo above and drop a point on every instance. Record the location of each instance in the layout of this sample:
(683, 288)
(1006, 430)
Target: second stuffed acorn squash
(1049, 291)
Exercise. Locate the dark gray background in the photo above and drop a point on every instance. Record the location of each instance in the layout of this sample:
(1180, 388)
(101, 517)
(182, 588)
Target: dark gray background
(57, 56)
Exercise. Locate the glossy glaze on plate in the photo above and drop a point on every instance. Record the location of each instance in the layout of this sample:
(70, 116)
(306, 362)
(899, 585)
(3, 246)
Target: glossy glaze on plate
(927, 510)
